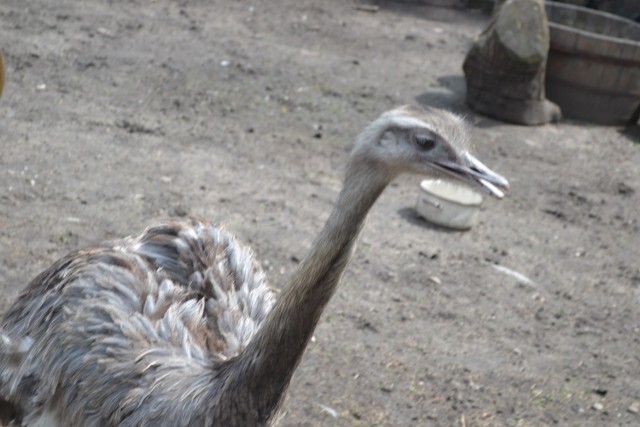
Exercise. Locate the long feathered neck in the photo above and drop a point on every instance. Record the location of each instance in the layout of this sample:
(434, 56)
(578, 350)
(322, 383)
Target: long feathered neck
(264, 369)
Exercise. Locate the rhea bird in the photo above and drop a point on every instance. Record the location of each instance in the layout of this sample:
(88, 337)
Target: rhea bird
(178, 326)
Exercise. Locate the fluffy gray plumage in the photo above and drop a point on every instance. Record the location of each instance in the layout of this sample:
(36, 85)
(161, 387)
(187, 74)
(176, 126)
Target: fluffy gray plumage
(178, 327)
(127, 325)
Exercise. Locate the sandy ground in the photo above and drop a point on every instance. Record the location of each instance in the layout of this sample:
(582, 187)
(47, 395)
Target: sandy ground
(119, 114)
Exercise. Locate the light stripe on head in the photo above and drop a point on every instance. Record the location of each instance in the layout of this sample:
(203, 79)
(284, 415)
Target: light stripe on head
(402, 118)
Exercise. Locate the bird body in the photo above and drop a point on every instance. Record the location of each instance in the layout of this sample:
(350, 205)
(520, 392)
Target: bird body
(140, 317)
(178, 326)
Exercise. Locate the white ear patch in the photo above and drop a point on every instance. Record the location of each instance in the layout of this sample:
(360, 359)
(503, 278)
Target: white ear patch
(388, 139)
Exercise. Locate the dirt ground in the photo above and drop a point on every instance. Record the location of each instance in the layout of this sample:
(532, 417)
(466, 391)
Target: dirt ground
(118, 114)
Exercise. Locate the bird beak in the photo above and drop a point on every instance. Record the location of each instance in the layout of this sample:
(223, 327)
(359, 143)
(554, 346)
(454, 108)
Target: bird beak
(471, 171)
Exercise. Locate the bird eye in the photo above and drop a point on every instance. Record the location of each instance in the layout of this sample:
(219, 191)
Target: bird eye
(424, 141)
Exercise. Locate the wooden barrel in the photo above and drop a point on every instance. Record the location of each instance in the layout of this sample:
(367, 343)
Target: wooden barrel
(593, 69)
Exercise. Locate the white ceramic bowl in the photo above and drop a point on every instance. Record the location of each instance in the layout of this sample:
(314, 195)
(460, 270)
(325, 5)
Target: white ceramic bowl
(448, 204)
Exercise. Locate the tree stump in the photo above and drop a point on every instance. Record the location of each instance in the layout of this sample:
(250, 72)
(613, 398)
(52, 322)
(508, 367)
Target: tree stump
(505, 67)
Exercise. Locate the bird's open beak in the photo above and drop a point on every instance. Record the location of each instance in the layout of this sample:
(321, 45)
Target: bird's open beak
(471, 171)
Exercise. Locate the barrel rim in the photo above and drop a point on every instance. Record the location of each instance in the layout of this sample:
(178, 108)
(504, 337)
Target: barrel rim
(591, 34)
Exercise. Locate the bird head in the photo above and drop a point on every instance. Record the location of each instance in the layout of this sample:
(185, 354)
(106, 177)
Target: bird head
(429, 142)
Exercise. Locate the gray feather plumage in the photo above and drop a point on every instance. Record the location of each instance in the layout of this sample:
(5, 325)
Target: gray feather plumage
(145, 318)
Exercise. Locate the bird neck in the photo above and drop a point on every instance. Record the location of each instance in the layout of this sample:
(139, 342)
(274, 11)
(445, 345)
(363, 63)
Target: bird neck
(268, 362)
